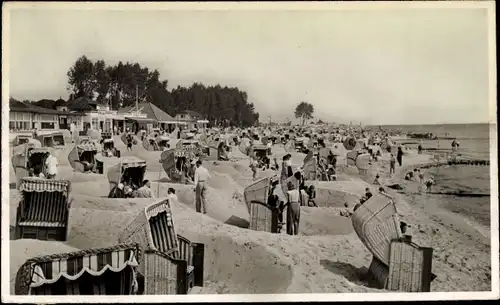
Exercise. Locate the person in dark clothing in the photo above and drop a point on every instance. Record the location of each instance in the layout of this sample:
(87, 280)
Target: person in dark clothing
(368, 194)
(400, 156)
(129, 141)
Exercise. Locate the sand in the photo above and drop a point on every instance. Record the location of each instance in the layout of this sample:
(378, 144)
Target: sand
(327, 256)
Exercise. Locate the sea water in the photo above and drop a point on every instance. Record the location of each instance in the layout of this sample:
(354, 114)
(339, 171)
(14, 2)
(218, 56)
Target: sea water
(474, 142)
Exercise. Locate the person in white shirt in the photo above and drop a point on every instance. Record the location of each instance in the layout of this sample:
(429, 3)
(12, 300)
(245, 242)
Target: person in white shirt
(293, 209)
(51, 165)
(171, 194)
(200, 177)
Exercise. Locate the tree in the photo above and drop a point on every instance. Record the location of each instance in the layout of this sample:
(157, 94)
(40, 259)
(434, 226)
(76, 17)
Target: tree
(304, 111)
(122, 83)
(81, 78)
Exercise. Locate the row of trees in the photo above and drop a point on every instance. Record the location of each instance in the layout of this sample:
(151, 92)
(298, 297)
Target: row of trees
(121, 84)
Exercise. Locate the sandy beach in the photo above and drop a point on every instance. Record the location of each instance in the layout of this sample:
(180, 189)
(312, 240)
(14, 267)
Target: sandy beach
(327, 256)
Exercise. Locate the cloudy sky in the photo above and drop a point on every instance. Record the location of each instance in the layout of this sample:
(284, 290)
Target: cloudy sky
(392, 66)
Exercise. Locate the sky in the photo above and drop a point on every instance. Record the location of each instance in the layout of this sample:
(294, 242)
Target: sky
(386, 66)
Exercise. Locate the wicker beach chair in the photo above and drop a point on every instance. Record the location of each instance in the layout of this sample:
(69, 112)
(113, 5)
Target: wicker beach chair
(85, 152)
(172, 264)
(262, 216)
(129, 166)
(26, 157)
(44, 209)
(21, 139)
(54, 139)
(104, 271)
(398, 264)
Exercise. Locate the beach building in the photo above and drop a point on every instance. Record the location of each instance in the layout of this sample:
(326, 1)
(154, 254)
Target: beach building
(191, 120)
(96, 116)
(149, 116)
(26, 117)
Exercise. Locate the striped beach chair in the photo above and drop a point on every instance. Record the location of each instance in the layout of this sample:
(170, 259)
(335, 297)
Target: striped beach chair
(85, 151)
(104, 271)
(44, 209)
(398, 264)
(172, 264)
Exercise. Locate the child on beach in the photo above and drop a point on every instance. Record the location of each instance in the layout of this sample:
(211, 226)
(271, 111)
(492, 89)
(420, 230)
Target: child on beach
(376, 181)
(311, 192)
(171, 194)
(429, 183)
(253, 166)
(392, 169)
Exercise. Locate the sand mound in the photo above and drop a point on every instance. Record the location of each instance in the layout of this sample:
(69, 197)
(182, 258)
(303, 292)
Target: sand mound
(97, 222)
(23, 249)
(224, 206)
(337, 193)
(232, 267)
(323, 221)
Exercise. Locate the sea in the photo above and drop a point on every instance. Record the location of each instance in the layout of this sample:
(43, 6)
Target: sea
(474, 142)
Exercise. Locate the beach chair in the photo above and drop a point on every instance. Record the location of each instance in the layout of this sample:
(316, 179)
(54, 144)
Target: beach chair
(262, 216)
(21, 139)
(172, 263)
(54, 139)
(398, 264)
(85, 152)
(44, 209)
(28, 157)
(104, 271)
(131, 167)
(109, 145)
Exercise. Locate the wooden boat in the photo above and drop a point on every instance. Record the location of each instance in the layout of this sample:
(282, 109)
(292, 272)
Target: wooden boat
(172, 263)
(82, 158)
(44, 209)
(398, 264)
(128, 168)
(104, 271)
(262, 216)
(29, 157)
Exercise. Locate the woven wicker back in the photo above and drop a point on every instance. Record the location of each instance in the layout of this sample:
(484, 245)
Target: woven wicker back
(154, 229)
(258, 191)
(160, 274)
(376, 223)
(409, 267)
(262, 218)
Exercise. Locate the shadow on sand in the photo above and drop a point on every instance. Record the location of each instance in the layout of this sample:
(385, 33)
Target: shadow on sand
(238, 222)
(358, 276)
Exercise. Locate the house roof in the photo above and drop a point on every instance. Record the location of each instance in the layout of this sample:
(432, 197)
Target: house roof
(151, 111)
(23, 107)
(82, 104)
(193, 114)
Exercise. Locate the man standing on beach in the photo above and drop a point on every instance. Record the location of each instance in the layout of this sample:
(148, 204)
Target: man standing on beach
(200, 177)
(293, 209)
